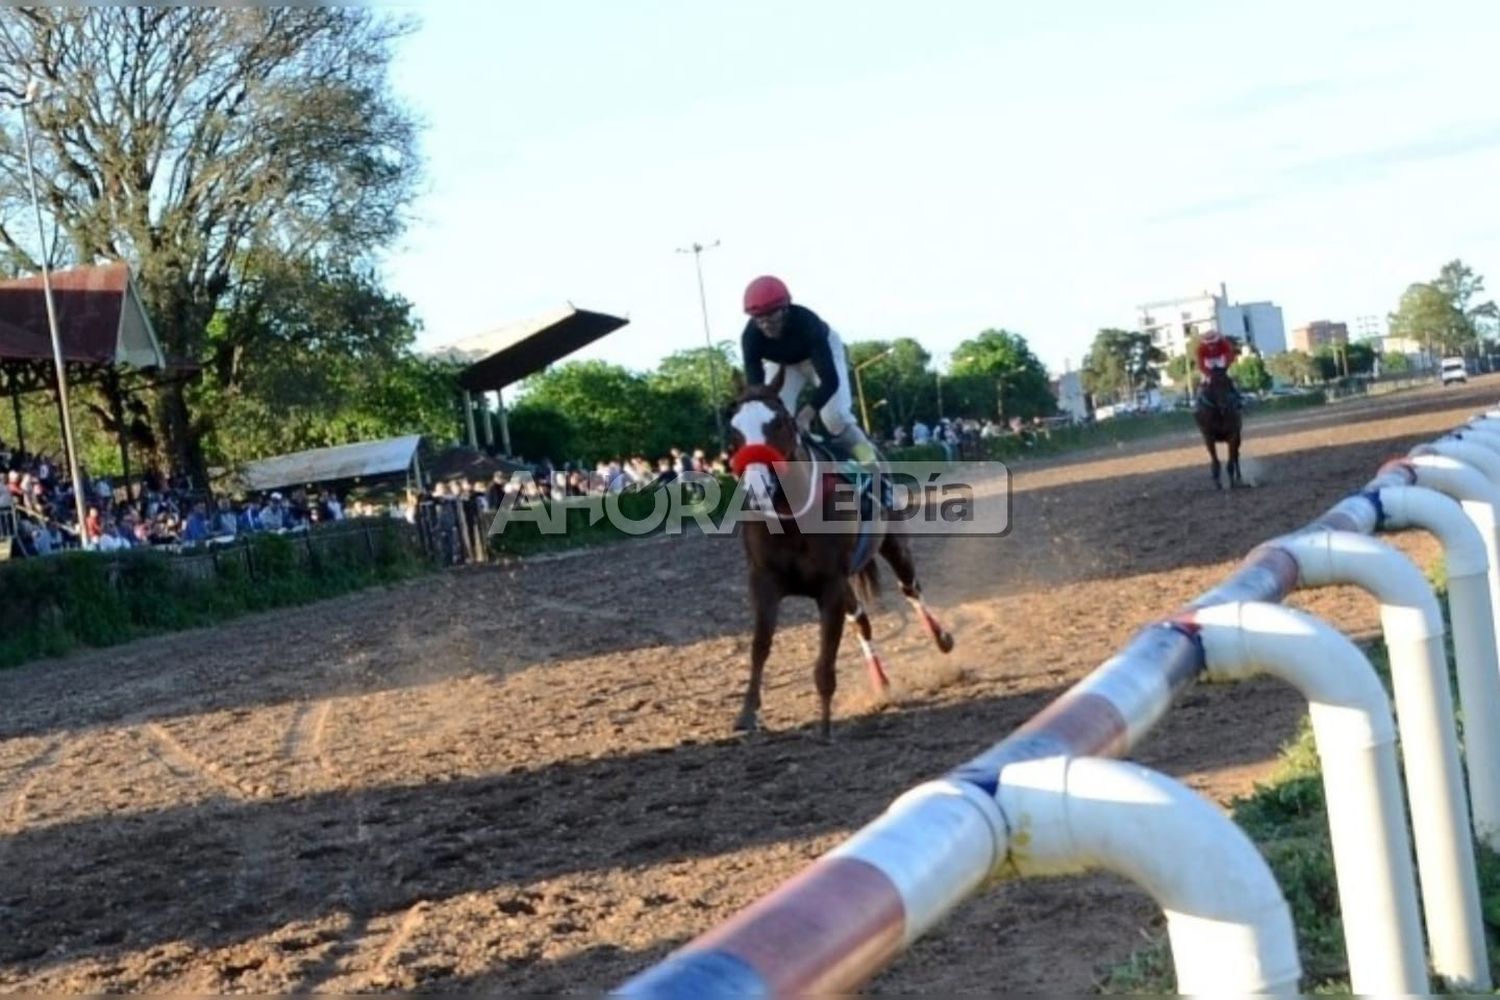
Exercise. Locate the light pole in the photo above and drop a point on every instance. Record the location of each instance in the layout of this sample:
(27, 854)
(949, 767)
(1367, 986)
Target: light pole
(24, 103)
(859, 385)
(713, 369)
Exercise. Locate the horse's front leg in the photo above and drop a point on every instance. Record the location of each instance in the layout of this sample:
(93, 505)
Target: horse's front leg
(1213, 454)
(1234, 461)
(832, 605)
(766, 600)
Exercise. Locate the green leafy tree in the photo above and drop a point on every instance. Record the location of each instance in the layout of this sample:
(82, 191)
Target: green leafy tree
(1021, 380)
(1178, 367)
(308, 354)
(538, 430)
(608, 406)
(190, 140)
(1394, 363)
(1121, 362)
(1427, 316)
(1360, 358)
(1446, 312)
(898, 387)
(674, 418)
(1182, 368)
(973, 396)
(1463, 287)
(703, 383)
(701, 371)
(1249, 373)
(1293, 367)
(613, 412)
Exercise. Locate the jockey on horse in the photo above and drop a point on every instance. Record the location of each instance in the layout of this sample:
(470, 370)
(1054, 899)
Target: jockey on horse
(1216, 352)
(781, 335)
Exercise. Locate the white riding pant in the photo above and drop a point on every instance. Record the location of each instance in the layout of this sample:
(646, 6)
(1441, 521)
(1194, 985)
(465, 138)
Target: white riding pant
(838, 412)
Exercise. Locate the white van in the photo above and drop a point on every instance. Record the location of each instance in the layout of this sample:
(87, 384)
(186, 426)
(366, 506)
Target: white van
(1454, 370)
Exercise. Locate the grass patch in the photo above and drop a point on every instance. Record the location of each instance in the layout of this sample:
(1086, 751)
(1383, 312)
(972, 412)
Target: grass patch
(1287, 820)
(54, 605)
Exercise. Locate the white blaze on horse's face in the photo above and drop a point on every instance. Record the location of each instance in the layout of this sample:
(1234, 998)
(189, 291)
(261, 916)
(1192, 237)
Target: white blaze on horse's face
(751, 421)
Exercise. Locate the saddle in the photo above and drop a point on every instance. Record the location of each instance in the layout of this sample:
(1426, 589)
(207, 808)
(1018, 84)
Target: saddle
(860, 477)
(851, 472)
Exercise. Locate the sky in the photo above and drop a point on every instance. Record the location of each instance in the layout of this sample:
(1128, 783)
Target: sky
(935, 171)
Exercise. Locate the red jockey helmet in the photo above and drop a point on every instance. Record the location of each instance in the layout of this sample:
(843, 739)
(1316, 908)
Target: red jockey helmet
(1210, 336)
(766, 294)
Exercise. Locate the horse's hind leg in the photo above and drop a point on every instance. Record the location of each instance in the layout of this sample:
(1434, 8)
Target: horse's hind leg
(897, 552)
(767, 603)
(861, 619)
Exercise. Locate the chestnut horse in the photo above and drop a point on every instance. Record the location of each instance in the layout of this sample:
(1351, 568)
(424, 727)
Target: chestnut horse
(1219, 420)
(837, 569)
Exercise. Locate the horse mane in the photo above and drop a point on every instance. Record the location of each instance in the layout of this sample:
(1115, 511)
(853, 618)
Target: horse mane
(763, 394)
(766, 392)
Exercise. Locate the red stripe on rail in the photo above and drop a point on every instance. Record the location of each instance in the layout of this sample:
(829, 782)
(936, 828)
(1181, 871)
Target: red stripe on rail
(828, 930)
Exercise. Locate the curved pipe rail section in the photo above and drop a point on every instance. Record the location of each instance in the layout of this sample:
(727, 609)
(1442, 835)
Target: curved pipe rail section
(1356, 741)
(846, 916)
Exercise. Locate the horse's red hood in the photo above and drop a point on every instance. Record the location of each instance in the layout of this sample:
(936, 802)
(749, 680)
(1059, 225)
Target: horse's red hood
(757, 454)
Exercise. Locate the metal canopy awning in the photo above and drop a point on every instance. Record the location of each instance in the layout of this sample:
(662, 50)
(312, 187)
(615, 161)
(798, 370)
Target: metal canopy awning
(506, 355)
(327, 465)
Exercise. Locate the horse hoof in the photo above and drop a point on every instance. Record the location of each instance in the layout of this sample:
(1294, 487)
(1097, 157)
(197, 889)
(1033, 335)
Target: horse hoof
(945, 642)
(745, 724)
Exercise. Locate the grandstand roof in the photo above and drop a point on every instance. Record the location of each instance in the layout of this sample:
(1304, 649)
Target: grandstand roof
(505, 355)
(100, 319)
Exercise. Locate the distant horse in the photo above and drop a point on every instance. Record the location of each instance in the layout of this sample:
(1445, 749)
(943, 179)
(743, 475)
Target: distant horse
(837, 569)
(1219, 420)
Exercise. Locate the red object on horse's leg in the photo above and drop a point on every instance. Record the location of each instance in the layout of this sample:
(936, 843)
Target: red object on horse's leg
(940, 635)
(898, 554)
(879, 680)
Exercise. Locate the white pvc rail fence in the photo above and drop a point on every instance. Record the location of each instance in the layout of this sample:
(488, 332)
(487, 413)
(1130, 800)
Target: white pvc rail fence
(1047, 799)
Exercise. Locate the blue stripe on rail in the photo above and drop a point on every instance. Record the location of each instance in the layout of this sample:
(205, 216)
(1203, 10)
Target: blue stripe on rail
(698, 974)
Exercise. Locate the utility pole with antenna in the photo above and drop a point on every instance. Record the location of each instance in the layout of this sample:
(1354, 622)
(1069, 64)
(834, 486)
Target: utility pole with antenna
(713, 369)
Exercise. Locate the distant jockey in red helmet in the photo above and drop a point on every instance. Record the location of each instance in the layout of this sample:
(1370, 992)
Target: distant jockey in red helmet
(780, 334)
(1216, 352)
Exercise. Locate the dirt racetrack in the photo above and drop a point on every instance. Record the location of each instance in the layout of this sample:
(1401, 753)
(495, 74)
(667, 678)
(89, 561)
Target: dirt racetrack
(522, 779)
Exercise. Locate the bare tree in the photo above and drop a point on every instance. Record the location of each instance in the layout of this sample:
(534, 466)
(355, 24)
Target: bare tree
(187, 140)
